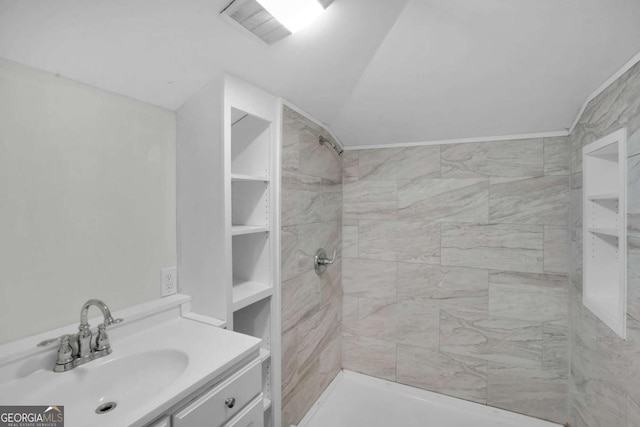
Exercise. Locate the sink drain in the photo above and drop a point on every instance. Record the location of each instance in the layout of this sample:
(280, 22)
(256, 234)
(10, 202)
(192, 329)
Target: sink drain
(106, 407)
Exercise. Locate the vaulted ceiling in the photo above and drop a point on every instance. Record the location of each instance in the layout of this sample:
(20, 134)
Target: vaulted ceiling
(376, 71)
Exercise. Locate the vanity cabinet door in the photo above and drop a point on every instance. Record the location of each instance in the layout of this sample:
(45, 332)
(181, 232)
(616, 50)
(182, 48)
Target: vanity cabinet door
(251, 416)
(224, 401)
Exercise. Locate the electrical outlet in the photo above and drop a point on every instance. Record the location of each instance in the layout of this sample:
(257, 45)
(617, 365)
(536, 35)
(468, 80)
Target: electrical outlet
(169, 281)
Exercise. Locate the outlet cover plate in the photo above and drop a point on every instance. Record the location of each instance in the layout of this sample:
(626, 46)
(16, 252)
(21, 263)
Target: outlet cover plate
(169, 281)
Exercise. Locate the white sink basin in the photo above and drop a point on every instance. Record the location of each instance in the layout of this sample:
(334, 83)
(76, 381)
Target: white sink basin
(113, 379)
(149, 371)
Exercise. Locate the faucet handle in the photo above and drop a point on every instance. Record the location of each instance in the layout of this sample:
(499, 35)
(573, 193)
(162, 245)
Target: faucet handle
(102, 340)
(65, 351)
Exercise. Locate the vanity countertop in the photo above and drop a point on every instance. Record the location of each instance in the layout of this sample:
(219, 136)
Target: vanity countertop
(149, 371)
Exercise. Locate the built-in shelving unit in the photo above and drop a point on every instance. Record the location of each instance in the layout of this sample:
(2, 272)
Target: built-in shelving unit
(604, 235)
(251, 159)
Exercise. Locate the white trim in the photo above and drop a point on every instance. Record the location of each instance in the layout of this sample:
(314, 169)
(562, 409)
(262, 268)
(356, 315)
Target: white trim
(464, 140)
(308, 116)
(626, 67)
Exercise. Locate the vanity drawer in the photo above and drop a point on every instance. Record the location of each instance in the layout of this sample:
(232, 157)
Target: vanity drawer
(164, 422)
(251, 416)
(216, 406)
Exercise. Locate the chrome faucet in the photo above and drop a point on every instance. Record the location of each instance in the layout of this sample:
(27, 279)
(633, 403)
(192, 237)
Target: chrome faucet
(78, 349)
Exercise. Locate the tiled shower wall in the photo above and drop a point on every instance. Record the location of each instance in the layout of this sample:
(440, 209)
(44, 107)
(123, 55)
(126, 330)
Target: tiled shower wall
(605, 370)
(311, 305)
(455, 270)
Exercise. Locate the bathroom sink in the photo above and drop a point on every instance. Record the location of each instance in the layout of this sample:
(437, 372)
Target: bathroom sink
(150, 370)
(123, 380)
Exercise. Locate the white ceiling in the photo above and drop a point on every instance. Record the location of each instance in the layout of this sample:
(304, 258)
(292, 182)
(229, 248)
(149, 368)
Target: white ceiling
(377, 71)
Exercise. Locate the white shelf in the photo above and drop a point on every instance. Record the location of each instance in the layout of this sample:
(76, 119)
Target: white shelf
(247, 293)
(267, 403)
(604, 286)
(607, 231)
(606, 151)
(610, 196)
(239, 230)
(265, 354)
(236, 177)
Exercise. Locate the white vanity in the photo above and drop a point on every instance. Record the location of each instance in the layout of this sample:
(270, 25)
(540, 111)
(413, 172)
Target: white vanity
(165, 370)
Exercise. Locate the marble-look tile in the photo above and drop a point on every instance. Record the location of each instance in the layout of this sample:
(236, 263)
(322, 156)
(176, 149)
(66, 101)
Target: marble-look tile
(300, 299)
(633, 140)
(291, 126)
(369, 356)
(289, 360)
(596, 403)
(370, 200)
(306, 199)
(330, 363)
(399, 163)
(604, 371)
(350, 241)
(633, 195)
(314, 343)
(311, 305)
(295, 403)
(557, 249)
(539, 200)
(350, 169)
(526, 296)
(615, 107)
(369, 278)
(456, 287)
(378, 318)
(290, 265)
(317, 331)
(620, 357)
(528, 391)
(510, 247)
(576, 257)
(512, 341)
(330, 284)
(633, 278)
(408, 241)
(633, 414)
(349, 315)
(575, 200)
(450, 374)
(418, 323)
(522, 158)
(557, 156)
(555, 347)
(316, 159)
(450, 200)
(300, 242)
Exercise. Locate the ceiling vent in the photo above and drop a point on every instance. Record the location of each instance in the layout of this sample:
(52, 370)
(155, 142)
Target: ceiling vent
(255, 18)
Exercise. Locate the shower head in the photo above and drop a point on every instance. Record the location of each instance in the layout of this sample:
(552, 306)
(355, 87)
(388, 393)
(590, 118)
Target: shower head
(334, 146)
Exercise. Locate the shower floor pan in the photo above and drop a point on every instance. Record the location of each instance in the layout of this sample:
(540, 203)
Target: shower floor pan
(356, 400)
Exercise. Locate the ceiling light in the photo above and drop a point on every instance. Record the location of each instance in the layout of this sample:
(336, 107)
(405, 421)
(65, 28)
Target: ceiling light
(293, 14)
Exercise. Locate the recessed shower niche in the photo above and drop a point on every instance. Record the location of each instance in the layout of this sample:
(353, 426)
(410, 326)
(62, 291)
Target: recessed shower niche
(604, 235)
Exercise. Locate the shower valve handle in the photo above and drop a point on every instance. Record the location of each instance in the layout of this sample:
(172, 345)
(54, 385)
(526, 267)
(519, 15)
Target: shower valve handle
(320, 261)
